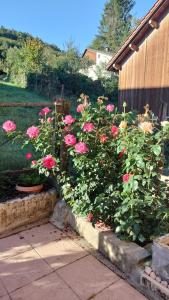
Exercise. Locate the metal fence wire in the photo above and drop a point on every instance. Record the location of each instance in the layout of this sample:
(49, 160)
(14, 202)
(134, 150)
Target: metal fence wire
(12, 156)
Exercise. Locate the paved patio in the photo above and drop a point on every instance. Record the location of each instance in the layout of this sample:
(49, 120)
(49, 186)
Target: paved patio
(44, 263)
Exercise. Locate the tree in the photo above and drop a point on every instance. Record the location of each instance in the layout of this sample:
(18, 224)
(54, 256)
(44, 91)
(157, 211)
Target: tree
(115, 25)
(32, 55)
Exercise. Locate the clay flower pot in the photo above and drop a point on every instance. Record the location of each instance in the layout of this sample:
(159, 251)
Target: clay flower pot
(29, 189)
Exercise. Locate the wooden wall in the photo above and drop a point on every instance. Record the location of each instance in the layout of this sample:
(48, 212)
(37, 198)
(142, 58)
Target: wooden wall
(144, 77)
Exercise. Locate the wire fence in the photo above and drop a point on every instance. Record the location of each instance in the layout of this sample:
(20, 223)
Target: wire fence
(12, 156)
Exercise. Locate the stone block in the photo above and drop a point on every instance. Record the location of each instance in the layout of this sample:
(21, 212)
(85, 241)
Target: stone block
(23, 211)
(160, 257)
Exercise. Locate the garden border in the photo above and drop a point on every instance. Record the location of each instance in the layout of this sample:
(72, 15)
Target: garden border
(23, 211)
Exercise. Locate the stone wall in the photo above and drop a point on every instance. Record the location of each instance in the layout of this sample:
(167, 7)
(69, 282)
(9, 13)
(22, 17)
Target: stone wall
(27, 210)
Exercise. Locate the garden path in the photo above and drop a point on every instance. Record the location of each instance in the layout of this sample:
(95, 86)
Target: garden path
(46, 263)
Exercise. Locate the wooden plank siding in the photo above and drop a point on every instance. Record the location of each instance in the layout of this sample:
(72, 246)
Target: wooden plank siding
(144, 77)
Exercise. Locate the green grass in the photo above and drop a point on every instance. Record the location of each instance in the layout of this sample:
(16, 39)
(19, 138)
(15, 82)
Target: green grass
(12, 93)
(11, 155)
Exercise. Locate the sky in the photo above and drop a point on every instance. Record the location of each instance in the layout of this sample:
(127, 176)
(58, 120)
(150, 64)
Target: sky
(59, 21)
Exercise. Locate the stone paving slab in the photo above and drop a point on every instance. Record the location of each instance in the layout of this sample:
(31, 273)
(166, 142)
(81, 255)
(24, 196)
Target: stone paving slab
(60, 253)
(119, 291)
(21, 269)
(89, 277)
(12, 246)
(44, 263)
(49, 287)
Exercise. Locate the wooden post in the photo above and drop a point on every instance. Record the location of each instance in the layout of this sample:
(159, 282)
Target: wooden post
(133, 47)
(153, 24)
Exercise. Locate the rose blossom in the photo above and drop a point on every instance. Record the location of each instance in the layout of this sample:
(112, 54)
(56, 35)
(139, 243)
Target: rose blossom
(80, 108)
(49, 162)
(28, 155)
(110, 107)
(67, 128)
(70, 140)
(45, 111)
(103, 138)
(99, 100)
(9, 126)
(34, 162)
(81, 147)
(114, 131)
(123, 125)
(126, 177)
(146, 127)
(33, 132)
(68, 120)
(122, 153)
(88, 127)
(90, 217)
(164, 123)
(49, 120)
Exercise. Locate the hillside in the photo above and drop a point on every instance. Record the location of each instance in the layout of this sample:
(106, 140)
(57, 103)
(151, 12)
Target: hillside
(12, 38)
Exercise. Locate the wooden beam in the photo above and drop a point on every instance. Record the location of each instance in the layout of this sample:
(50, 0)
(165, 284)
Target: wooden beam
(133, 47)
(153, 24)
(27, 104)
(117, 67)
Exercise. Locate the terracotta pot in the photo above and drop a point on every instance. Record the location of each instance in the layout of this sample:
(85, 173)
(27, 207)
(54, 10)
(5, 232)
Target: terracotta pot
(30, 189)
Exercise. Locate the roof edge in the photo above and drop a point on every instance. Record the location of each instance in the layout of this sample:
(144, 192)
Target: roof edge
(140, 28)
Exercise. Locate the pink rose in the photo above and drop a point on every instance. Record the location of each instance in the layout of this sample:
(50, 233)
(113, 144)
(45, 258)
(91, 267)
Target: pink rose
(122, 153)
(49, 162)
(67, 128)
(80, 108)
(103, 138)
(110, 107)
(81, 148)
(28, 155)
(115, 131)
(68, 120)
(126, 177)
(45, 111)
(49, 120)
(88, 127)
(9, 126)
(70, 140)
(90, 217)
(34, 162)
(32, 132)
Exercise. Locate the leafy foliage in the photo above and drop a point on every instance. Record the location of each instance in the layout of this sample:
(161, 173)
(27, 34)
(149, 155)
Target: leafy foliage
(118, 180)
(115, 25)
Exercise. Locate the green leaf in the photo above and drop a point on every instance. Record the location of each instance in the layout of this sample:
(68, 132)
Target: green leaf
(156, 150)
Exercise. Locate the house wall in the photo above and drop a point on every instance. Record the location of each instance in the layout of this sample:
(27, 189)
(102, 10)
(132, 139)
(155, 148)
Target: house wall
(144, 77)
(91, 55)
(99, 66)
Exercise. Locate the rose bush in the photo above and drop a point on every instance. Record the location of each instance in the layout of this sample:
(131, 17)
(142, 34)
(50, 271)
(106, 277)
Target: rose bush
(116, 171)
(115, 161)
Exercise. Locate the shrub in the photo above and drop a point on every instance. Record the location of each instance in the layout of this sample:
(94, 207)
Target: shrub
(115, 162)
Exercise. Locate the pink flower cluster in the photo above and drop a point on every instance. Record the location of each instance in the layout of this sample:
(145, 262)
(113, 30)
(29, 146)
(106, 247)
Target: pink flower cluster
(45, 111)
(32, 132)
(103, 138)
(81, 148)
(9, 126)
(70, 140)
(49, 162)
(115, 131)
(126, 177)
(68, 120)
(110, 107)
(88, 127)
(28, 155)
(80, 108)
